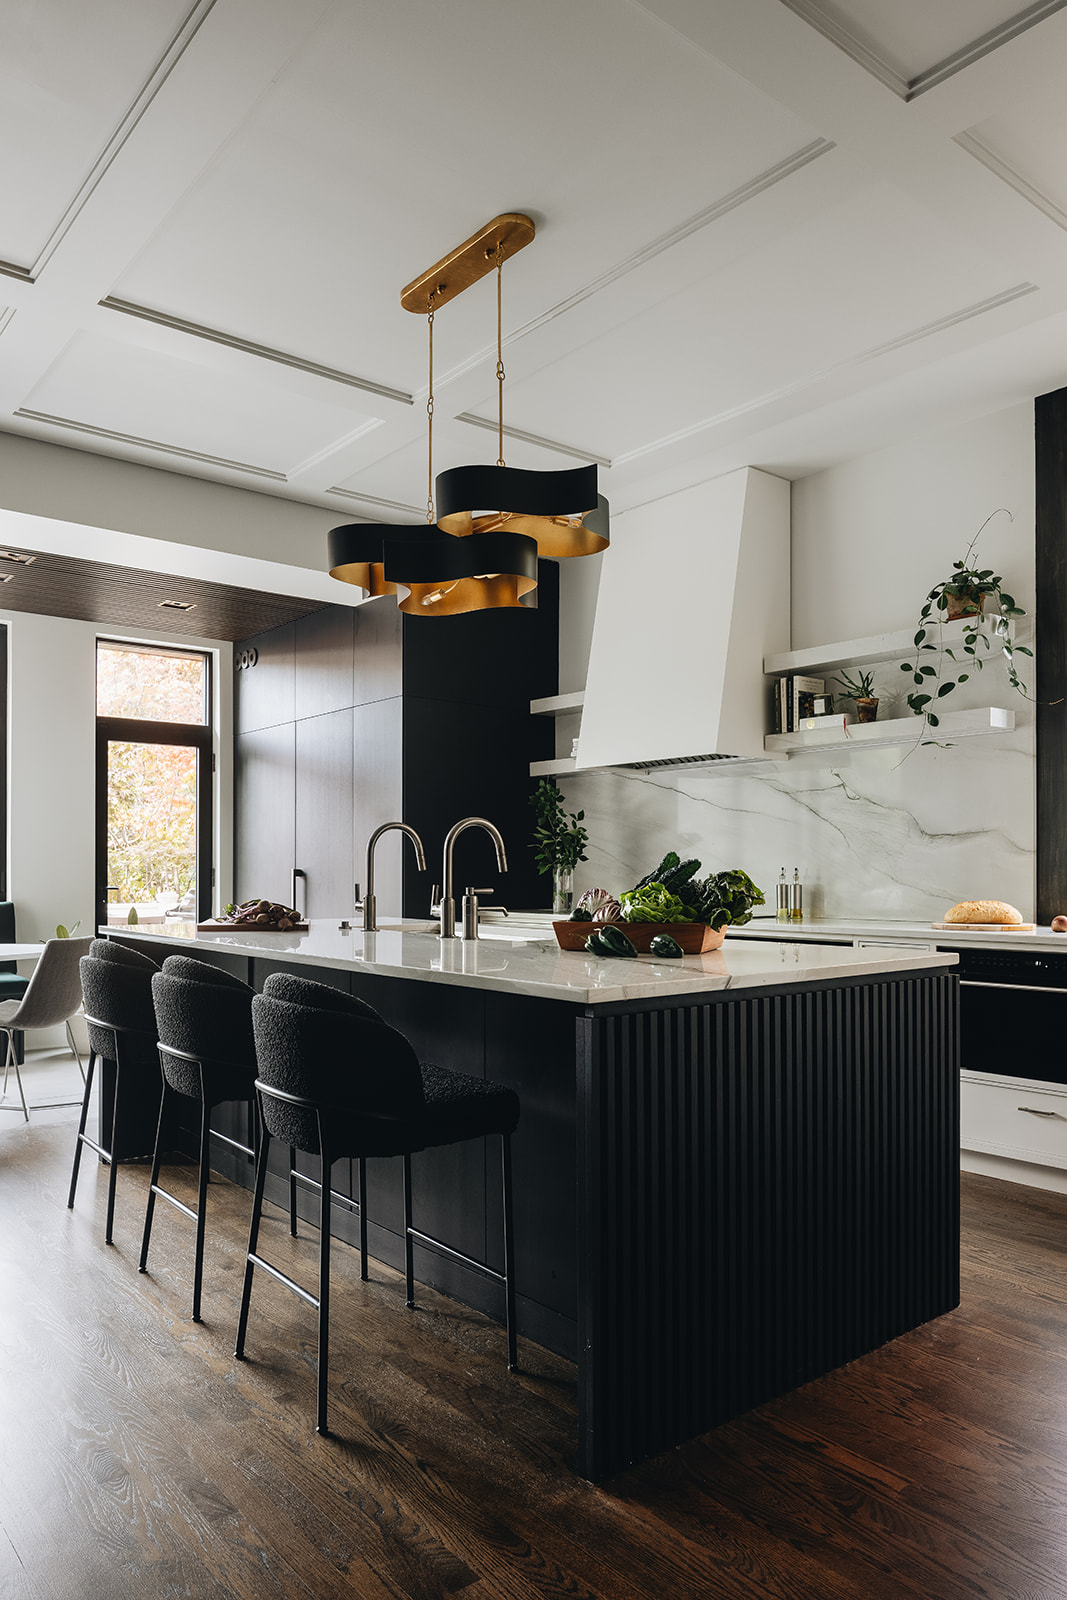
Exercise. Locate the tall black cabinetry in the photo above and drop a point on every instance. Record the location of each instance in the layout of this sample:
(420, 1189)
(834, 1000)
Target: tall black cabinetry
(352, 717)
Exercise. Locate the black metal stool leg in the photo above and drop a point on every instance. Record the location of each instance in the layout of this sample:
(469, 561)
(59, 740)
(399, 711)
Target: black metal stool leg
(157, 1157)
(324, 1293)
(253, 1242)
(409, 1247)
(201, 1204)
(509, 1252)
(363, 1218)
(292, 1190)
(113, 1169)
(81, 1129)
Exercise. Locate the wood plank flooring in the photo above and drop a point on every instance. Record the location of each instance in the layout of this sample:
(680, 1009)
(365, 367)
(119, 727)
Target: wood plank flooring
(138, 1459)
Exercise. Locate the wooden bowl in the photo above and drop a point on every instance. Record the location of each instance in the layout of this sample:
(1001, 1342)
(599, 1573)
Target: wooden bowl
(694, 937)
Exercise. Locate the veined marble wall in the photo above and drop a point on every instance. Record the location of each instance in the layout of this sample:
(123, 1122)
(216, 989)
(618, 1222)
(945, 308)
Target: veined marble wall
(875, 833)
(896, 832)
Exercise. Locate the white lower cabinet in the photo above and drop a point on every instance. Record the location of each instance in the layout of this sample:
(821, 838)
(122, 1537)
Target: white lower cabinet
(1014, 1117)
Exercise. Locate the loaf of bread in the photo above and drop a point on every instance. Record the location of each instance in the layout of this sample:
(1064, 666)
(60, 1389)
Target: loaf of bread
(983, 911)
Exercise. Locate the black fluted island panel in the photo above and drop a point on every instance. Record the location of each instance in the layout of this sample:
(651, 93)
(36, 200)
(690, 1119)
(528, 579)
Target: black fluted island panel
(720, 1193)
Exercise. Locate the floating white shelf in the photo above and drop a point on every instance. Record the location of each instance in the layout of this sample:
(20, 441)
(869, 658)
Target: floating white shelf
(878, 647)
(558, 705)
(899, 730)
(553, 769)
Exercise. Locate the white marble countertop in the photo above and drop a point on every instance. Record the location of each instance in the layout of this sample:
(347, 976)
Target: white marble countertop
(846, 931)
(525, 960)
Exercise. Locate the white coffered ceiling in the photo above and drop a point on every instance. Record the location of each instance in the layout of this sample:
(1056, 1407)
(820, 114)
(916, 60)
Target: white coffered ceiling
(774, 232)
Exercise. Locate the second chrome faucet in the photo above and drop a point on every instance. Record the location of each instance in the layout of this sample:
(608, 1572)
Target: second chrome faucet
(368, 903)
(447, 908)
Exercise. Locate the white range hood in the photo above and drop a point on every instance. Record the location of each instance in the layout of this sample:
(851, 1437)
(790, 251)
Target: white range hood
(694, 592)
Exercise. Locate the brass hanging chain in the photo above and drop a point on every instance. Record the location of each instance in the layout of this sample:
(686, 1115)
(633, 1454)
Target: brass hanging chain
(429, 416)
(499, 359)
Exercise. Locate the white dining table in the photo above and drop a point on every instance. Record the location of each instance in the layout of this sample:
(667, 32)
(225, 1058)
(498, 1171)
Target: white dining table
(20, 952)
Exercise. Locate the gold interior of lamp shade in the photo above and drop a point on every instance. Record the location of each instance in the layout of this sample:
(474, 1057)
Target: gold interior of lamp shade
(557, 537)
(369, 575)
(450, 598)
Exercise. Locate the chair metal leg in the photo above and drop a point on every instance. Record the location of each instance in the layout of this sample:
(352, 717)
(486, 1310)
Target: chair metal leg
(201, 1205)
(292, 1190)
(81, 1129)
(409, 1247)
(13, 1061)
(363, 1218)
(157, 1157)
(253, 1243)
(509, 1252)
(324, 1294)
(74, 1048)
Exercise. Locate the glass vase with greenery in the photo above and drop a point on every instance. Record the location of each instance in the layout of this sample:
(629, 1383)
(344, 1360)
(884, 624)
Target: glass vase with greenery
(559, 843)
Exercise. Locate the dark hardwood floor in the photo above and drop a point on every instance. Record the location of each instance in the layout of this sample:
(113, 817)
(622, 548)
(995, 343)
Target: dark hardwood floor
(137, 1458)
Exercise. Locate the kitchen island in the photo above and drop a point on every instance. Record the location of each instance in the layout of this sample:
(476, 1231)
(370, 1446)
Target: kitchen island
(733, 1172)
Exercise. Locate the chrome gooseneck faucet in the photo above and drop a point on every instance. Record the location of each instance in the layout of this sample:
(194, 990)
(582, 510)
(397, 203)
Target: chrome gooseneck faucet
(448, 904)
(369, 908)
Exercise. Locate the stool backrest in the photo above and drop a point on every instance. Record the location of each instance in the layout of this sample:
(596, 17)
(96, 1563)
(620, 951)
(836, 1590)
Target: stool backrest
(117, 989)
(334, 1050)
(205, 1018)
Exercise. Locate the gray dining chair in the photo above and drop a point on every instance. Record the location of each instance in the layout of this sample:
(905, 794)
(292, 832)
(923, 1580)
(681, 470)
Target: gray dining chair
(53, 995)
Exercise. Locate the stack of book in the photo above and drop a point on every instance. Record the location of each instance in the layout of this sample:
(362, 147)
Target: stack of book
(795, 703)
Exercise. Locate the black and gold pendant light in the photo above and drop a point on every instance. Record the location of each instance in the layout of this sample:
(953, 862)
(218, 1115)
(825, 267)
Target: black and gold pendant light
(472, 558)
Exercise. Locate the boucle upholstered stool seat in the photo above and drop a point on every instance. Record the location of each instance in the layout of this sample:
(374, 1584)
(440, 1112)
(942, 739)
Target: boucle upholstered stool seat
(117, 994)
(207, 1054)
(336, 1081)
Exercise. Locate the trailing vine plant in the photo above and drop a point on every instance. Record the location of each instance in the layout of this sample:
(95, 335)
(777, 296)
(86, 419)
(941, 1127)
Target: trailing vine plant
(964, 592)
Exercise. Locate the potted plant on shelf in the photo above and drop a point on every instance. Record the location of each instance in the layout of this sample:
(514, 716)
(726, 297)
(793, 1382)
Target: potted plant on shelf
(964, 594)
(559, 842)
(858, 688)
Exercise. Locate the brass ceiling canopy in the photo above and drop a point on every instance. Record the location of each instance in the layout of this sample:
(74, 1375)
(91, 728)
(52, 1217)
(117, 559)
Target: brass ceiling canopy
(467, 263)
(493, 521)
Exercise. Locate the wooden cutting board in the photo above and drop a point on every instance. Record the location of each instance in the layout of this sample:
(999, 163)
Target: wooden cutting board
(985, 927)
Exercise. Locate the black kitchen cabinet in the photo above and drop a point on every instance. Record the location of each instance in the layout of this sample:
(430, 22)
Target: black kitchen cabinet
(351, 718)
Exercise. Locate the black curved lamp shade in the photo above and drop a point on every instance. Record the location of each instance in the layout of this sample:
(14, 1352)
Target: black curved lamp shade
(356, 553)
(562, 511)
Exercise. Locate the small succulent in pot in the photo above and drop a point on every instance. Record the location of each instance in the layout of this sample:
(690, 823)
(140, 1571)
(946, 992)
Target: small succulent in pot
(858, 688)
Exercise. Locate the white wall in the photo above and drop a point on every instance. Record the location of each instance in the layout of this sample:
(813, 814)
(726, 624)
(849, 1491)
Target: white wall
(880, 833)
(51, 768)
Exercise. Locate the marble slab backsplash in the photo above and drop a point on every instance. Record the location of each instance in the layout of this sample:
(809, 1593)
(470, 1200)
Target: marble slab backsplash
(900, 833)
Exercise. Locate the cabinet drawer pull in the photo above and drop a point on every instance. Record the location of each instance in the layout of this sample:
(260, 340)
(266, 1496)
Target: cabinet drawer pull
(1013, 988)
(1032, 1111)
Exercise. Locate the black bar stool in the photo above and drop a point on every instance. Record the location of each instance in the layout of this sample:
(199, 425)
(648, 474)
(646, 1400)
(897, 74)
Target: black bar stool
(206, 1052)
(336, 1081)
(116, 987)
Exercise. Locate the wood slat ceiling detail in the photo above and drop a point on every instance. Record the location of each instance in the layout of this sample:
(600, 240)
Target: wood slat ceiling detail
(125, 597)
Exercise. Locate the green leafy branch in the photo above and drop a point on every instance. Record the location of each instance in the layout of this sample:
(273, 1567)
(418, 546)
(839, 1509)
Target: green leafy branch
(559, 838)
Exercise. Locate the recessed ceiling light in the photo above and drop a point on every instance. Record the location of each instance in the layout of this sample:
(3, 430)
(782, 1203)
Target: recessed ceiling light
(177, 605)
(17, 555)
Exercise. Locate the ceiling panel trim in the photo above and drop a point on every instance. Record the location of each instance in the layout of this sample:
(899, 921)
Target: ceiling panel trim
(179, 43)
(701, 219)
(149, 444)
(1015, 180)
(491, 425)
(952, 320)
(196, 330)
(6, 314)
(379, 504)
(9, 269)
(832, 28)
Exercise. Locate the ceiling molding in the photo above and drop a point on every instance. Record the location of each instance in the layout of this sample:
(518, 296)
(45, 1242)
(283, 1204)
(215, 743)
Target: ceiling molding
(492, 426)
(379, 505)
(866, 56)
(179, 43)
(9, 270)
(1015, 180)
(150, 444)
(952, 320)
(6, 313)
(263, 352)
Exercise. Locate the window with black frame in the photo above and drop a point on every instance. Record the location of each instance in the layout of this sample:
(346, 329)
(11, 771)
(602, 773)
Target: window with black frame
(153, 783)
